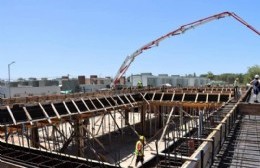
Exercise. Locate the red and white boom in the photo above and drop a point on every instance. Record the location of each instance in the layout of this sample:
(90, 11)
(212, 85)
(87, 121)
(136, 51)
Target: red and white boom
(129, 59)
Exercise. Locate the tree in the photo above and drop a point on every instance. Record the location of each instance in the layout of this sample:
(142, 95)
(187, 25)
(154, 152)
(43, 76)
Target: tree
(230, 77)
(203, 75)
(210, 75)
(251, 72)
(20, 79)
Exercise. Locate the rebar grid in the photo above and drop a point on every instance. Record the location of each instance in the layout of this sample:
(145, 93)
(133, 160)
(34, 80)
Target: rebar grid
(242, 147)
(32, 159)
(187, 144)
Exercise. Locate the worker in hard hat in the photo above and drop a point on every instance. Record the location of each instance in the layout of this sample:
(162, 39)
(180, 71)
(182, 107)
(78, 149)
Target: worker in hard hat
(139, 84)
(256, 87)
(139, 150)
(236, 91)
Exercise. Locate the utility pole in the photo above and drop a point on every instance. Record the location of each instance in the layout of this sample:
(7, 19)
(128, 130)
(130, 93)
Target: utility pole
(9, 87)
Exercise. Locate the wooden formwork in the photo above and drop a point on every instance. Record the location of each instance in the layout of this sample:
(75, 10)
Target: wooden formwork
(101, 106)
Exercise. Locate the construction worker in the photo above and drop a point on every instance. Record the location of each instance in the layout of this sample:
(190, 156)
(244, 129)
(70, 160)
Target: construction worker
(139, 150)
(236, 85)
(256, 87)
(139, 84)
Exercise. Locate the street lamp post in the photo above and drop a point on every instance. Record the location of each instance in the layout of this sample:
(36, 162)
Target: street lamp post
(9, 87)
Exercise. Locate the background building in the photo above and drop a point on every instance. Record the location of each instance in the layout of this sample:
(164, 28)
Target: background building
(174, 80)
(95, 83)
(64, 85)
(30, 87)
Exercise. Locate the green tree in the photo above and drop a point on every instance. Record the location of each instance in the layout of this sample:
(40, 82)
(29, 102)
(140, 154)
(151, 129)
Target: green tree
(210, 75)
(203, 75)
(20, 79)
(230, 77)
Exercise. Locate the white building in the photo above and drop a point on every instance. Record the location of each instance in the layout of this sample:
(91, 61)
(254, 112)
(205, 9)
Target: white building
(24, 91)
(31, 87)
(174, 80)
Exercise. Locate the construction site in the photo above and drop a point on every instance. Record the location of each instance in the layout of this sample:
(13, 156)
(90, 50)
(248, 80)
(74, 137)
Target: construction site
(188, 127)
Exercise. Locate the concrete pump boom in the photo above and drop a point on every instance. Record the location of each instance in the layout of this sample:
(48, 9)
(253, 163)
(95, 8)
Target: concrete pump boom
(129, 59)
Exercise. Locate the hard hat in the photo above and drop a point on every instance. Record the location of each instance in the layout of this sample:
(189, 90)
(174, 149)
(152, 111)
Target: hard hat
(142, 138)
(256, 76)
(237, 79)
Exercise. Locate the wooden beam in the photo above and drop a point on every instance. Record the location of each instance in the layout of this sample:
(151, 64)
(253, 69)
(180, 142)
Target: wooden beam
(167, 123)
(11, 114)
(186, 104)
(66, 144)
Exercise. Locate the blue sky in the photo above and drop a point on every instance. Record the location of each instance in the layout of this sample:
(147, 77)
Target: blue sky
(51, 38)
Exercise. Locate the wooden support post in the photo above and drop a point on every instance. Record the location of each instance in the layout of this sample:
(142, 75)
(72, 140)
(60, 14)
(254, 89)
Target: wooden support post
(167, 123)
(86, 122)
(181, 120)
(79, 136)
(191, 146)
(22, 133)
(160, 125)
(126, 116)
(143, 114)
(35, 137)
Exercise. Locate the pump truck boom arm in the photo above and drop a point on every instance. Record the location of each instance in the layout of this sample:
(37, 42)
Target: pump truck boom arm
(129, 59)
